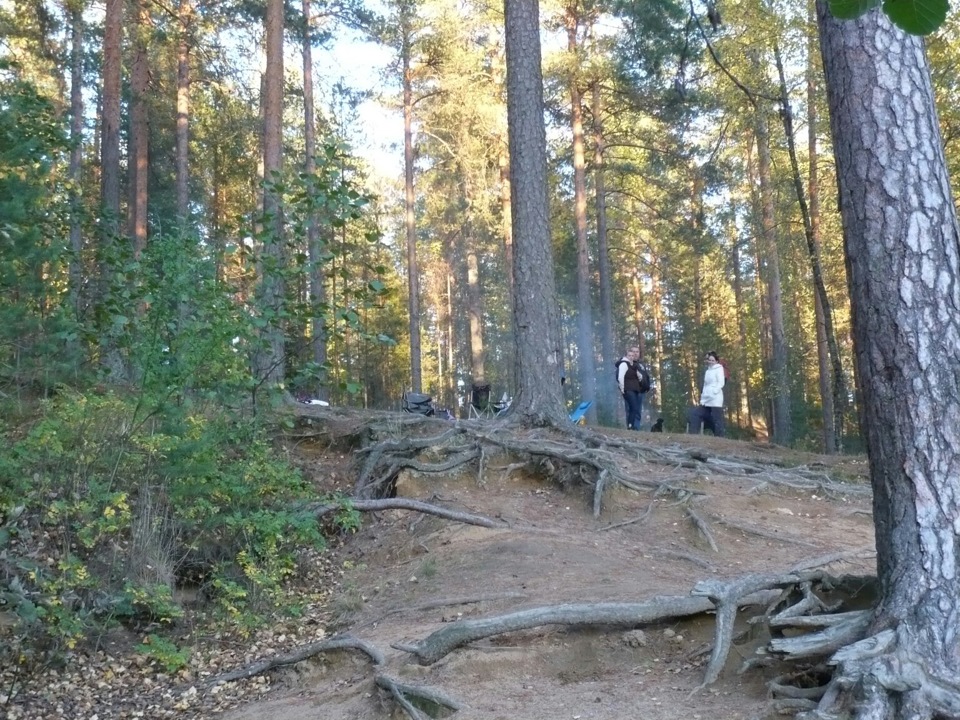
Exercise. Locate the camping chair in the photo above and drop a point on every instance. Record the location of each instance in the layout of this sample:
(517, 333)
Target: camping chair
(480, 406)
(578, 416)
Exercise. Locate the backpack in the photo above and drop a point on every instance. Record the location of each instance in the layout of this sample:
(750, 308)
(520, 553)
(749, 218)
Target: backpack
(644, 376)
(642, 373)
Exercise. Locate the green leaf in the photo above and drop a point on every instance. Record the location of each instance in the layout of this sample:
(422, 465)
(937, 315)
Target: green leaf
(850, 9)
(917, 17)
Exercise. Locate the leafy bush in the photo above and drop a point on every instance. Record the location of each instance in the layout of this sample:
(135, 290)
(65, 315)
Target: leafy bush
(124, 502)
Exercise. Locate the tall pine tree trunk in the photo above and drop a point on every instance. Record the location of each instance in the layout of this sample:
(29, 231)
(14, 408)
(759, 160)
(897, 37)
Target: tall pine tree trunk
(110, 358)
(607, 394)
(318, 329)
(777, 371)
(139, 150)
(585, 357)
(76, 156)
(902, 247)
(185, 17)
(536, 318)
(827, 346)
(413, 269)
(271, 362)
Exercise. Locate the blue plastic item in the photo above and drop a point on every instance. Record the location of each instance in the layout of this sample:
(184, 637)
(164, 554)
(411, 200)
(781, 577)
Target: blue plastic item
(578, 414)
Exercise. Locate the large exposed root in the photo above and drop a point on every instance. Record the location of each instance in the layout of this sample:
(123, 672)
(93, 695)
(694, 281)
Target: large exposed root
(390, 443)
(462, 632)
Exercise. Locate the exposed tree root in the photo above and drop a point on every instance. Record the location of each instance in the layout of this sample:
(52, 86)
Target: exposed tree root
(393, 442)
(445, 602)
(298, 655)
(408, 504)
(433, 703)
(455, 635)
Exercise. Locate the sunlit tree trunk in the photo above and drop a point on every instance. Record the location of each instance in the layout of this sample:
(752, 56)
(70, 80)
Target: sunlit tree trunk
(139, 152)
(110, 358)
(75, 10)
(318, 330)
(744, 415)
(656, 300)
(902, 247)
(607, 393)
(585, 357)
(779, 382)
(831, 393)
(271, 366)
(110, 120)
(536, 318)
(413, 269)
(183, 112)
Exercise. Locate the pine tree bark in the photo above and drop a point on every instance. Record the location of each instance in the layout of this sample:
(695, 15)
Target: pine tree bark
(139, 151)
(585, 355)
(828, 350)
(318, 328)
(110, 358)
(271, 360)
(77, 27)
(902, 248)
(536, 317)
(110, 120)
(608, 394)
(413, 269)
(779, 382)
(185, 18)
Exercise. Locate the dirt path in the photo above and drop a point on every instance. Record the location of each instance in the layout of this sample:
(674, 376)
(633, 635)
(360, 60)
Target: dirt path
(552, 551)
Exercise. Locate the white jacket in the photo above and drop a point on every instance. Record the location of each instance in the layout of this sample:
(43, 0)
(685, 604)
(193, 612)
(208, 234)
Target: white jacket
(712, 393)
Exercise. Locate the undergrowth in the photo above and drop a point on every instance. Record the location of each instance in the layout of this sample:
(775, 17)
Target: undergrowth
(105, 513)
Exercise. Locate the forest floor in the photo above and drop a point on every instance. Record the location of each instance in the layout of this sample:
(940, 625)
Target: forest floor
(404, 575)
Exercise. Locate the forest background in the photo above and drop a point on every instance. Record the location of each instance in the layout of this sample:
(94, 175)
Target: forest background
(680, 145)
(186, 231)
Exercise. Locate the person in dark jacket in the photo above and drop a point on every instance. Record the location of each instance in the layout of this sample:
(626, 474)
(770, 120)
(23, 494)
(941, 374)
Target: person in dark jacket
(628, 378)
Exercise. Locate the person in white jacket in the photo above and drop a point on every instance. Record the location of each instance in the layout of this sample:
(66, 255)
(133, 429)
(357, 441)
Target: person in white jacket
(711, 396)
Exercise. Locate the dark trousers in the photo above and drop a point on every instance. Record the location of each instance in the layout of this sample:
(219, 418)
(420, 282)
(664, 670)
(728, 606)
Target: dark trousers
(707, 418)
(633, 404)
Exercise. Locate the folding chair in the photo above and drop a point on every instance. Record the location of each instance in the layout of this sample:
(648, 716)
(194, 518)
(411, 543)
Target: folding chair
(578, 415)
(480, 406)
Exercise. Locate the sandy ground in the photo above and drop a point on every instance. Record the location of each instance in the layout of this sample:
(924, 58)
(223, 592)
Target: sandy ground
(405, 575)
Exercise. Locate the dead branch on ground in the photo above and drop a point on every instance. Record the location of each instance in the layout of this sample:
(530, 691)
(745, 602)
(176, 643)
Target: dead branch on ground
(298, 655)
(406, 504)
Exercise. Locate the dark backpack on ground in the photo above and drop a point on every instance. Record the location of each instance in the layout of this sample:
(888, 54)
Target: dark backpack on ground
(417, 403)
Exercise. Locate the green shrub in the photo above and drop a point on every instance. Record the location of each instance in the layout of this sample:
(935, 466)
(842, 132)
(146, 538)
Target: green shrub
(127, 500)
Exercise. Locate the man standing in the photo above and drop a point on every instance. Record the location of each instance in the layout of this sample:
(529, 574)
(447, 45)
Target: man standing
(630, 378)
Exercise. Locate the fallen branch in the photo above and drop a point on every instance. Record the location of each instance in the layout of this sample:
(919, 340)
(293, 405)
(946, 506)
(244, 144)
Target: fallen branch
(298, 655)
(406, 504)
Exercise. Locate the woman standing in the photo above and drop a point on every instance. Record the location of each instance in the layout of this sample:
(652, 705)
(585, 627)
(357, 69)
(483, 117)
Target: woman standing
(711, 397)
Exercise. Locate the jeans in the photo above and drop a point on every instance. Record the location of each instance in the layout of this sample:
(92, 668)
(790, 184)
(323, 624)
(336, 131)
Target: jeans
(633, 404)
